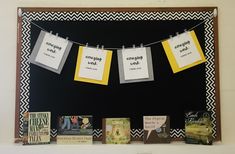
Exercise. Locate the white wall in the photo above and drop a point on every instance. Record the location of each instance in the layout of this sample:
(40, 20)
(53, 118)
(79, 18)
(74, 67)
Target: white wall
(8, 53)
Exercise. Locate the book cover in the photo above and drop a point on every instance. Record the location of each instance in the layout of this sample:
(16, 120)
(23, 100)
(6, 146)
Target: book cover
(198, 129)
(116, 131)
(75, 129)
(156, 129)
(36, 128)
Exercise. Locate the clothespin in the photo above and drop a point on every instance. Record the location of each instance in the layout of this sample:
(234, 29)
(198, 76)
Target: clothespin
(56, 35)
(170, 36)
(50, 32)
(185, 31)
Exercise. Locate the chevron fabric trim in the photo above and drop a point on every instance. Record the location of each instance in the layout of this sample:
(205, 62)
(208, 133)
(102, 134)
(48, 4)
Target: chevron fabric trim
(97, 133)
(119, 16)
(177, 133)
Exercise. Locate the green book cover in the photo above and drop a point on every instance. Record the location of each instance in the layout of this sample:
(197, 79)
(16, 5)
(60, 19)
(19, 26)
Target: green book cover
(198, 129)
(116, 131)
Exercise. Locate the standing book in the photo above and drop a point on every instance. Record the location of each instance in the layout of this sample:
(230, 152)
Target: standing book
(198, 129)
(116, 131)
(156, 129)
(75, 129)
(36, 128)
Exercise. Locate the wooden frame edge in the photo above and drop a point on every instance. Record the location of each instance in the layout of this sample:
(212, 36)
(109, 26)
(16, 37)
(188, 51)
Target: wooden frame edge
(116, 9)
(17, 90)
(217, 81)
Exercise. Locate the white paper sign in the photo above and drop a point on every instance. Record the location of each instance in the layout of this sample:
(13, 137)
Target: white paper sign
(92, 63)
(184, 49)
(51, 51)
(135, 63)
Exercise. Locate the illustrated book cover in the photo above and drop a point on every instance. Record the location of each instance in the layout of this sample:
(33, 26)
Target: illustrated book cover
(156, 129)
(116, 131)
(75, 129)
(36, 128)
(198, 129)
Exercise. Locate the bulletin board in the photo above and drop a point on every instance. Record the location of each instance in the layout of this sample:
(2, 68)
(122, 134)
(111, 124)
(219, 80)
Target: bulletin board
(197, 88)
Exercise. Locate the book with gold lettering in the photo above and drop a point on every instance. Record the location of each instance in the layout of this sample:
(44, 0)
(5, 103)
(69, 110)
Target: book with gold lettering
(36, 128)
(116, 131)
(198, 128)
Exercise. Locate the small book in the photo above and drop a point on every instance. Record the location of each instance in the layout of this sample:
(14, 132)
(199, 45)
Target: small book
(156, 129)
(36, 128)
(198, 129)
(116, 131)
(75, 129)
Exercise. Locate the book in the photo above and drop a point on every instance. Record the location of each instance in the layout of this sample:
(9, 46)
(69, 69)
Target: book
(36, 128)
(75, 129)
(116, 131)
(156, 129)
(198, 129)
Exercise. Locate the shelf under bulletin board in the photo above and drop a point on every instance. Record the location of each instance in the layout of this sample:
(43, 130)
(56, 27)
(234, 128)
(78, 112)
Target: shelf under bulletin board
(194, 89)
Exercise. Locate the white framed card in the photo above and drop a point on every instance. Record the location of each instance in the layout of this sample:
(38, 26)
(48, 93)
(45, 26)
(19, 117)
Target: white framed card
(135, 65)
(50, 52)
(92, 63)
(184, 49)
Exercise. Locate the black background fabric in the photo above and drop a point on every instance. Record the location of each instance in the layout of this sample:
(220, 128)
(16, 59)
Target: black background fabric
(169, 94)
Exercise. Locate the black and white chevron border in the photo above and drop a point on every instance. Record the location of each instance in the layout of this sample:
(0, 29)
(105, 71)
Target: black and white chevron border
(210, 72)
(53, 133)
(97, 133)
(137, 133)
(119, 16)
(177, 133)
(24, 72)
